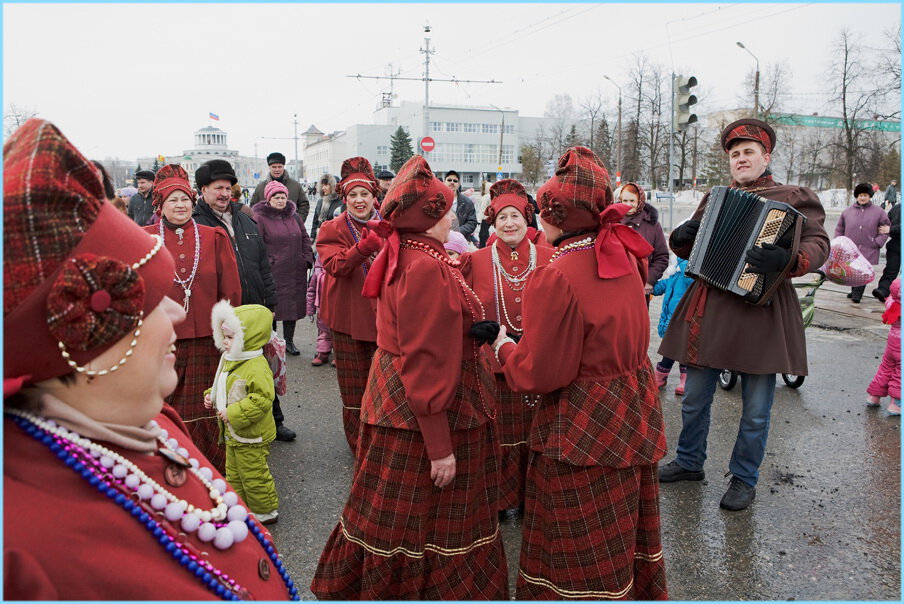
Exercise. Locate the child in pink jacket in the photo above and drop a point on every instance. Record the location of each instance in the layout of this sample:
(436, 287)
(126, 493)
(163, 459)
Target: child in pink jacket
(324, 336)
(888, 377)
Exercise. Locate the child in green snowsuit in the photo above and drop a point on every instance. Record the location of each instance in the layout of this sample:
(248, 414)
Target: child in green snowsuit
(242, 394)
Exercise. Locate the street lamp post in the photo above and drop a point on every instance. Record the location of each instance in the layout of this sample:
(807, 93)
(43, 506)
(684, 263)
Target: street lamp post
(501, 132)
(756, 83)
(618, 142)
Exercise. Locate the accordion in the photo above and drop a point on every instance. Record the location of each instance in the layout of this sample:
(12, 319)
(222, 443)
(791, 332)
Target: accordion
(733, 222)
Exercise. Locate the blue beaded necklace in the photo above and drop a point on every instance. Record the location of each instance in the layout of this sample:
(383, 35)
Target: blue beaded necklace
(213, 579)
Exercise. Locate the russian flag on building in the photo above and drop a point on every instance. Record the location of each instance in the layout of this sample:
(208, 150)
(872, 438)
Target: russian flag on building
(214, 116)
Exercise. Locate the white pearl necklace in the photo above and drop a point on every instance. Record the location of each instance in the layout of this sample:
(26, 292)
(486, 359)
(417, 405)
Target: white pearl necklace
(583, 244)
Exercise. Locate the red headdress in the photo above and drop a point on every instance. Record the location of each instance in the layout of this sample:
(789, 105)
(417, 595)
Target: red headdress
(357, 172)
(508, 192)
(749, 129)
(578, 198)
(415, 202)
(171, 177)
(78, 274)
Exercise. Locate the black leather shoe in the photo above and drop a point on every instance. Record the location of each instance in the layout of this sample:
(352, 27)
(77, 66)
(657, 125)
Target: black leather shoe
(879, 295)
(738, 496)
(672, 472)
(291, 349)
(855, 299)
(850, 294)
(284, 434)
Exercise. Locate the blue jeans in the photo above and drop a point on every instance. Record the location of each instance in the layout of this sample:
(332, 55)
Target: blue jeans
(757, 392)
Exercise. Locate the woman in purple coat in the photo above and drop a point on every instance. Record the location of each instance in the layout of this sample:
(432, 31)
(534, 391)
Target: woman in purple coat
(644, 219)
(290, 254)
(867, 225)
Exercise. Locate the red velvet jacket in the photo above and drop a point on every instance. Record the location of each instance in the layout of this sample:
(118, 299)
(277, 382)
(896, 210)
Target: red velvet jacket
(342, 306)
(64, 540)
(477, 267)
(587, 339)
(217, 277)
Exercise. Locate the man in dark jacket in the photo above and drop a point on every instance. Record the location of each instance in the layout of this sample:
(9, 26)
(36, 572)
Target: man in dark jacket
(277, 164)
(892, 253)
(891, 195)
(141, 204)
(384, 180)
(720, 330)
(463, 207)
(215, 208)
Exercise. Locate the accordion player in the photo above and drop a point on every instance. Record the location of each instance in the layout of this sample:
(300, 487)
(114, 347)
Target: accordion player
(733, 222)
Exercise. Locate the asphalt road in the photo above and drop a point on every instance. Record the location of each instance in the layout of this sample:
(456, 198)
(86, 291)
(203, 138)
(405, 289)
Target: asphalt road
(825, 523)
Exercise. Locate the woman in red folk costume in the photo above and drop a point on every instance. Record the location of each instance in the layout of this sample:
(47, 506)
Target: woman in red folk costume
(591, 526)
(105, 495)
(420, 522)
(498, 273)
(347, 249)
(206, 272)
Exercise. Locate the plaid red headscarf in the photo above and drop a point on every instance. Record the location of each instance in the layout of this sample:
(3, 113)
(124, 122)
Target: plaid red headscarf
(508, 192)
(749, 129)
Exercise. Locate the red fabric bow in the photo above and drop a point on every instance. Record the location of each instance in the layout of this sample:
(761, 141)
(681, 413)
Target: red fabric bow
(892, 314)
(384, 267)
(615, 241)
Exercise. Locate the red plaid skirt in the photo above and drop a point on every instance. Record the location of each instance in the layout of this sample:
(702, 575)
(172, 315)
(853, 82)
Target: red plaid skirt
(196, 366)
(516, 412)
(591, 533)
(402, 538)
(353, 359)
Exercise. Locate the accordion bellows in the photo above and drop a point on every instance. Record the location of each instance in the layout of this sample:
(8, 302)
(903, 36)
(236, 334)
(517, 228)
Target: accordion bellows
(733, 222)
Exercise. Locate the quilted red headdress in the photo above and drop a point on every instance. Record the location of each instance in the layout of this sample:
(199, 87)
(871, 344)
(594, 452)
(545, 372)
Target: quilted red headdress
(357, 172)
(78, 274)
(749, 129)
(578, 198)
(508, 192)
(415, 202)
(171, 177)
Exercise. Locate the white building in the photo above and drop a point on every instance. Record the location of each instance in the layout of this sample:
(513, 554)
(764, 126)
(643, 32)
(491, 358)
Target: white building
(467, 140)
(211, 143)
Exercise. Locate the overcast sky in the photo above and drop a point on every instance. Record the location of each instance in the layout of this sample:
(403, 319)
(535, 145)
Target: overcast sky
(130, 80)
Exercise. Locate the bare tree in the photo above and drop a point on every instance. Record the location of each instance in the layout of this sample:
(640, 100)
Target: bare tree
(531, 164)
(592, 111)
(856, 99)
(890, 67)
(560, 110)
(15, 116)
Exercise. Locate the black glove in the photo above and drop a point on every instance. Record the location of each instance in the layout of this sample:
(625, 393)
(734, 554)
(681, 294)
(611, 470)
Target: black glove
(767, 259)
(485, 332)
(685, 233)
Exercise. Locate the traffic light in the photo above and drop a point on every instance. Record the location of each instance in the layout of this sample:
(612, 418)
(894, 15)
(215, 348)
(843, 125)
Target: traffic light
(684, 100)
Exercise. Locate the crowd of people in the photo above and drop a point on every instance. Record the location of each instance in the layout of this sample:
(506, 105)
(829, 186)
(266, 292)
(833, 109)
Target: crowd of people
(491, 356)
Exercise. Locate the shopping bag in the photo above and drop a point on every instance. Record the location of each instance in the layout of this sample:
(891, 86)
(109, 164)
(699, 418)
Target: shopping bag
(846, 265)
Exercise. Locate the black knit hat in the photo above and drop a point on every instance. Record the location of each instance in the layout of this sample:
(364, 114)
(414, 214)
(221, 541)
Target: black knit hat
(863, 187)
(145, 175)
(385, 175)
(215, 169)
(276, 158)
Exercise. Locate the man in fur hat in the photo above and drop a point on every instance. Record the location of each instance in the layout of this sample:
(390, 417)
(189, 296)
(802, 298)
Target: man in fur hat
(277, 164)
(720, 330)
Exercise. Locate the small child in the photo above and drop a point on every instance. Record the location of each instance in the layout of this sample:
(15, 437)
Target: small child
(243, 394)
(887, 381)
(456, 245)
(324, 335)
(672, 289)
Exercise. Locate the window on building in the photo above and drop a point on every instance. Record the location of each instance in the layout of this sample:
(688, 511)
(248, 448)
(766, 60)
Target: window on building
(507, 153)
(470, 127)
(470, 154)
(469, 179)
(436, 126)
(509, 129)
(453, 126)
(382, 149)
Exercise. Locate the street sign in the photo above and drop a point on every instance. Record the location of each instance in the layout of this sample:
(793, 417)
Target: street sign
(427, 144)
(257, 175)
(498, 176)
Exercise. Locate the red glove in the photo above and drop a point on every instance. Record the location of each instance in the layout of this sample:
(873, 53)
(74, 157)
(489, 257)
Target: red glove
(370, 243)
(382, 227)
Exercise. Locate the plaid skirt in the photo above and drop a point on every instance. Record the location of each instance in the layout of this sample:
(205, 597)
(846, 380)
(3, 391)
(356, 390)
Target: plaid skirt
(402, 538)
(516, 411)
(591, 532)
(353, 359)
(196, 366)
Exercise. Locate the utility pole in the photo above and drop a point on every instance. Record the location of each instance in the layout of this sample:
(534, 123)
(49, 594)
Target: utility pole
(426, 79)
(426, 52)
(756, 83)
(619, 135)
(671, 156)
(296, 147)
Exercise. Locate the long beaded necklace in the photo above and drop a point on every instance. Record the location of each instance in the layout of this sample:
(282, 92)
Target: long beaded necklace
(469, 294)
(515, 283)
(577, 246)
(145, 500)
(186, 283)
(356, 234)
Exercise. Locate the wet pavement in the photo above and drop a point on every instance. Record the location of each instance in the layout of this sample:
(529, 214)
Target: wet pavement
(825, 524)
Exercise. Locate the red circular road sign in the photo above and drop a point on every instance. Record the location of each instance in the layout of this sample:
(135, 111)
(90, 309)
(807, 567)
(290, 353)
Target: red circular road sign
(427, 144)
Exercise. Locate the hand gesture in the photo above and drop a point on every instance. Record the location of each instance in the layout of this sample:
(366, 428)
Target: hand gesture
(884, 229)
(370, 243)
(442, 471)
(767, 259)
(208, 404)
(685, 233)
(484, 332)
